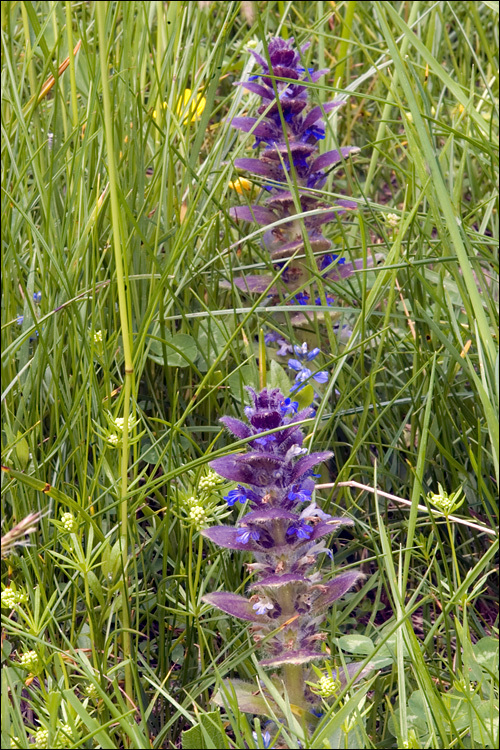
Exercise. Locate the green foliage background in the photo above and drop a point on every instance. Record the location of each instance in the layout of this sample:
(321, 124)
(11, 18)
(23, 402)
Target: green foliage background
(119, 217)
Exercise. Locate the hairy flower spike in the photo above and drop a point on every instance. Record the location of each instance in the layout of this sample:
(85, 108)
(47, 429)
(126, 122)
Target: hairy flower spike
(288, 131)
(275, 477)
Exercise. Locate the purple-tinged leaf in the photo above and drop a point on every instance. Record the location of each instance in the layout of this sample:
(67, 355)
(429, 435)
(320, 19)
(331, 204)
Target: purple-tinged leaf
(313, 222)
(251, 468)
(336, 588)
(275, 581)
(232, 604)
(226, 536)
(347, 269)
(251, 284)
(329, 526)
(306, 463)
(289, 107)
(317, 75)
(284, 250)
(329, 158)
(285, 200)
(247, 701)
(292, 657)
(259, 129)
(262, 62)
(296, 150)
(253, 213)
(269, 514)
(317, 112)
(236, 426)
(346, 203)
(256, 88)
(257, 167)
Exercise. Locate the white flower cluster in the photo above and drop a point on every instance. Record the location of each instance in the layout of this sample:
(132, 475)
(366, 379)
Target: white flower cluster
(210, 482)
(120, 423)
(198, 516)
(30, 661)
(91, 692)
(11, 599)
(62, 739)
(69, 522)
(98, 337)
(327, 686)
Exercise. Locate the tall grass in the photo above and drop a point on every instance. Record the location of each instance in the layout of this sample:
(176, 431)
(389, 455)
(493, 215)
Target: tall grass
(115, 198)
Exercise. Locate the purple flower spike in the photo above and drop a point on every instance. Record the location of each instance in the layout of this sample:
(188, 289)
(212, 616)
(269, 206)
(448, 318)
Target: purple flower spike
(286, 605)
(288, 131)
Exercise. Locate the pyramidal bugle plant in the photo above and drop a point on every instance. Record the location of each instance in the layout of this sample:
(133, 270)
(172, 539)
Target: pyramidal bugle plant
(284, 529)
(289, 130)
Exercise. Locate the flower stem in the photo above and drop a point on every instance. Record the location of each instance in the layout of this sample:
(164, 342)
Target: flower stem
(293, 677)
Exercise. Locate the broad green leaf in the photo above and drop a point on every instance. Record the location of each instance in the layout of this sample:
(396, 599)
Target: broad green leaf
(181, 350)
(278, 378)
(356, 644)
(248, 702)
(207, 735)
(304, 397)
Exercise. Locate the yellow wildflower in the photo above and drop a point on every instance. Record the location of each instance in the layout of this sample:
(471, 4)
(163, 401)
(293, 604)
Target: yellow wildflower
(241, 185)
(195, 108)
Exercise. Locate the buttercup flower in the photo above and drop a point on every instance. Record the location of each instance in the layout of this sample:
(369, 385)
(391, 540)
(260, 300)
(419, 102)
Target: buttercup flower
(195, 109)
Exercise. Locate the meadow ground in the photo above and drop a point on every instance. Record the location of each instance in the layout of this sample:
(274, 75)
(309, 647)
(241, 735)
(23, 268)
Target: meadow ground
(127, 333)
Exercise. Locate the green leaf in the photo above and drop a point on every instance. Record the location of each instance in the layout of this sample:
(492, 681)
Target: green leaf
(206, 735)
(486, 653)
(210, 343)
(95, 587)
(22, 450)
(247, 701)
(243, 376)
(181, 350)
(111, 561)
(356, 644)
(278, 378)
(304, 397)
